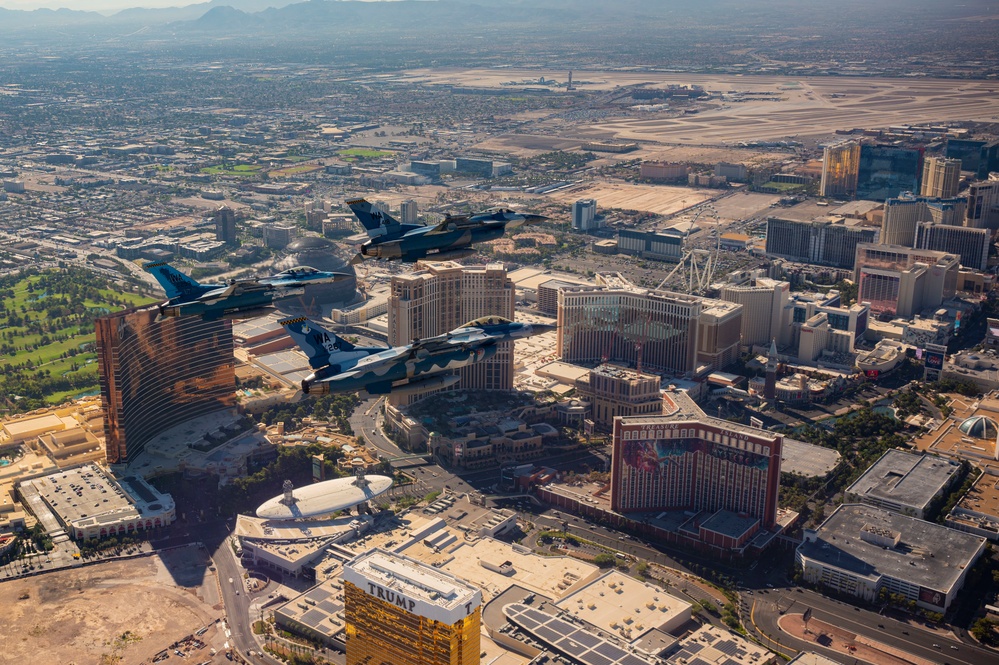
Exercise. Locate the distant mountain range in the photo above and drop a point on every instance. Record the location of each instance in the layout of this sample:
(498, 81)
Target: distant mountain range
(656, 19)
(236, 13)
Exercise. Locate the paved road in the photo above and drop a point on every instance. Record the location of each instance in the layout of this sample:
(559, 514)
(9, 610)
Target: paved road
(766, 607)
(237, 605)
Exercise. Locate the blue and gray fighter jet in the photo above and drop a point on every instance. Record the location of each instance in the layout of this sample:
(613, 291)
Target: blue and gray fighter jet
(237, 299)
(450, 239)
(339, 366)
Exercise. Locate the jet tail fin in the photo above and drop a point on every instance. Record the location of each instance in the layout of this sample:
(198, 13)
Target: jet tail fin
(320, 345)
(174, 282)
(375, 222)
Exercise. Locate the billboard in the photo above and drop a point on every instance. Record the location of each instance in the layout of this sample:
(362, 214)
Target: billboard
(931, 597)
(934, 359)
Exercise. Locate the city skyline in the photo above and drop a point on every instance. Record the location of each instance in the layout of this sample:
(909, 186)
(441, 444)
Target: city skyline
(652, 324)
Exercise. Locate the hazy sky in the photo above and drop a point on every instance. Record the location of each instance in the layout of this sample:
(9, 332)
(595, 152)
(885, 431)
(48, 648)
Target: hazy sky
(93, 5)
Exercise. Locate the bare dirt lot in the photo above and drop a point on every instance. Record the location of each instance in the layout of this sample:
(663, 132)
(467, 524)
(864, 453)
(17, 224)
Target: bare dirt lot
(658, 199)
(79, 616)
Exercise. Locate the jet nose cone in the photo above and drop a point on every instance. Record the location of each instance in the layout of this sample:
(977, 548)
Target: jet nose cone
(340, 276)
(534, 219)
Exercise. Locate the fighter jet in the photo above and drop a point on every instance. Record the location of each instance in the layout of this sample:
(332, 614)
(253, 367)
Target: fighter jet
(450, 239)
(339, 366)
(237, 299)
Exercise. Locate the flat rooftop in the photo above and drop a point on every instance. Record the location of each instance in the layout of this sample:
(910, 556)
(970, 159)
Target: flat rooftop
(581, 645)
(49, 422)
(84, 492)
(979, 507)
(491, 565)
(703, 419)
(928, 554)
(905, 478)
(621, 372)
(729, 524)
(948, 439)
(711, 644)
(249, 330)
(807, 459)
(320, 608)
(618, 603)
(290, 366)
(812, 658)
(410, 578)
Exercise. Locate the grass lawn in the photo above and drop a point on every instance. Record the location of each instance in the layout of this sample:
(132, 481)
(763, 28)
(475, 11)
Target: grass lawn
(49, 357)
(293, 170)
(238, 169)
(90, 371)
(784, 186)
(47, 353)
(364, 153)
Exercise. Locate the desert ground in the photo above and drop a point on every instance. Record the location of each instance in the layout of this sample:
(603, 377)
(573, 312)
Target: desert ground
(81, 616)
(658, 199)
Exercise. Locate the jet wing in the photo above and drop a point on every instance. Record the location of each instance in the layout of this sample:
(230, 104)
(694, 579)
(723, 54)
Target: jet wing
(394, 354)
(444, 227)
(255, 285)
(449, 341)
(218, 294)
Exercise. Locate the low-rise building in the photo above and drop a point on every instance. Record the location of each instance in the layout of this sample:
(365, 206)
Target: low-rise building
(316, 614)
(608, 601)
(88, 502)
(712, 644)
(978, 510)
(904, 482)
(861, 551)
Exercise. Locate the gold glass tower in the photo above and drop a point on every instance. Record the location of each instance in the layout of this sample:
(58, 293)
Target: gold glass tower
(157, 374)
(840, 167)
(401, 612)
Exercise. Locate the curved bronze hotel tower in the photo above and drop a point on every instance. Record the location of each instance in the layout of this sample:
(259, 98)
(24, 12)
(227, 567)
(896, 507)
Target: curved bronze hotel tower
(157, 374)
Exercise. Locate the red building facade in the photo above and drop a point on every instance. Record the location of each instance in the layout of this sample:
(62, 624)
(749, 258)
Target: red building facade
(663, 464)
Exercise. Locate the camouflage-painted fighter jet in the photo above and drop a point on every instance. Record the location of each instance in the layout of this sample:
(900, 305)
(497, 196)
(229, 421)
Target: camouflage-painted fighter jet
(451, 239)
(339, 366)
(239, 298)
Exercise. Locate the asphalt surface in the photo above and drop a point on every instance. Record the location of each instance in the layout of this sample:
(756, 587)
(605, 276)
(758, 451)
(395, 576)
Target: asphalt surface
(766, 606)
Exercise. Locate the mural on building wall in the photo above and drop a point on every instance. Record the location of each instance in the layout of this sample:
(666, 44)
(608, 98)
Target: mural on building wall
(653, 456)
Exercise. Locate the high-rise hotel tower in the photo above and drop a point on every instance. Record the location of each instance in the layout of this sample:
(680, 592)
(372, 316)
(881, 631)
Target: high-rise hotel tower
(157, 374)
(400, 611)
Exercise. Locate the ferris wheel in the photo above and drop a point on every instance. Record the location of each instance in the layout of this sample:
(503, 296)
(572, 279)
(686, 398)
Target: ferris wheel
(697, 267)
